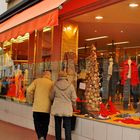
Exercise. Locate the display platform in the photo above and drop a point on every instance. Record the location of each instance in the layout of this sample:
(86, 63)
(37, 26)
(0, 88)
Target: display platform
(117, 120)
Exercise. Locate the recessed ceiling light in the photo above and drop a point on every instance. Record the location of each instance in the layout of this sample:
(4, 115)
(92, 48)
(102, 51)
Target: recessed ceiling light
(121, 31)
(98, 17)
(118, 43)
(133, 5)
(96, 38)
(80, 48)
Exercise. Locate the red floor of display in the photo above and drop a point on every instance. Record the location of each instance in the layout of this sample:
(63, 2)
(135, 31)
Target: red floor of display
(12, 132)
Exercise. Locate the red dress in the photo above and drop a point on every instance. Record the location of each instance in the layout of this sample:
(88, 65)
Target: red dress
(12, 89)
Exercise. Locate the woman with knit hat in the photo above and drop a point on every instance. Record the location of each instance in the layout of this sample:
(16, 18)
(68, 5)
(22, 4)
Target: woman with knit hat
(64, 98)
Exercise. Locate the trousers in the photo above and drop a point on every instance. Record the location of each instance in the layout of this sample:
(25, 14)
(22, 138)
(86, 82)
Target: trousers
(66, 125)
(41, 123)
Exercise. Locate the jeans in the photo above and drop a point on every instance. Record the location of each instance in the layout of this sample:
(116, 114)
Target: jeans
(66, 125)
(41, 123)
(126, 94)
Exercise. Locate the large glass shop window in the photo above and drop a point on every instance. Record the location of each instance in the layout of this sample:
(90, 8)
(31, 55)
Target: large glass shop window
(108, 69)
(14, 68)
(43, 49)
(22, 60)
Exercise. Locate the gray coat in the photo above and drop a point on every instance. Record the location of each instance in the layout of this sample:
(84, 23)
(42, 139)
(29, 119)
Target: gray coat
(63, 97)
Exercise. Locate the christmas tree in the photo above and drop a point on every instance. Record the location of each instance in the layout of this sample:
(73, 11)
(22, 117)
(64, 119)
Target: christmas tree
(92, 92)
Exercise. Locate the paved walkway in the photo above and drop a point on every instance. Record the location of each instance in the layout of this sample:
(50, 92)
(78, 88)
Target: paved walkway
(12, 132)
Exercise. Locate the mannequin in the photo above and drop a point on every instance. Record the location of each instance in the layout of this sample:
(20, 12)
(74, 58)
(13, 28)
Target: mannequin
(12, 88)
(113, 72)
(25, 80)
(129, 64)
(110, 78)
(110, 67)
(129, 80)
(18, 83)
(105, 80)
(129, 74)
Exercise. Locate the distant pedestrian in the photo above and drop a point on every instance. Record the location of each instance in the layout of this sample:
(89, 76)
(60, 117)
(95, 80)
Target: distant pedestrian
(64, 99)
(39, 93)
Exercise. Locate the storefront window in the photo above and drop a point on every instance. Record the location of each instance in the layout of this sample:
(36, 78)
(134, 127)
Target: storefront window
(23, 59)
(108, 56)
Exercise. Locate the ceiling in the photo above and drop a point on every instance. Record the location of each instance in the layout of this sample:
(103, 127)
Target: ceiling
(120, 23)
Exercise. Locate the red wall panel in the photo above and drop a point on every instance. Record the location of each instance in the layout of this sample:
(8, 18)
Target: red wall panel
(75, 4)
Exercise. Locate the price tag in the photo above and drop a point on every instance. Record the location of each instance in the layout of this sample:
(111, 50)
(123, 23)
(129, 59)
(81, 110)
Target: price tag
(82, 86)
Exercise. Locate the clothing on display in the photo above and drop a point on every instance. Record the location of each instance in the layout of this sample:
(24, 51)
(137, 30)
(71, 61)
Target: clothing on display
(112, 108)
(18, 83)
(12, 88)
(123, 115)
(128, 121)
(129, 72)
(105, 82)
(113, 82)
(130, 82)
(110, 79)
(103, 111)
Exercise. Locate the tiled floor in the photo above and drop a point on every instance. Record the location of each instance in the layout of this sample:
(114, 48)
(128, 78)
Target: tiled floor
(13, 132)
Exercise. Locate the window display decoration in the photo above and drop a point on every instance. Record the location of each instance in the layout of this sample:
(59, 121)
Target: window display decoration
(19, 86)
(92, 92)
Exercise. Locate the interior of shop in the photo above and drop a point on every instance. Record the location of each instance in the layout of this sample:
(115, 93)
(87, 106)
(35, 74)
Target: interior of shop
(114, 32)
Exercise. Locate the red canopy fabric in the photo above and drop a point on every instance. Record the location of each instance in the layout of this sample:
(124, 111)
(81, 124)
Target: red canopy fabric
(35, 17)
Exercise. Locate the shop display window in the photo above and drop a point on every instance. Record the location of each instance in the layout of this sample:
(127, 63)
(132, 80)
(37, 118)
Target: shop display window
(107, 55)
(23, 59)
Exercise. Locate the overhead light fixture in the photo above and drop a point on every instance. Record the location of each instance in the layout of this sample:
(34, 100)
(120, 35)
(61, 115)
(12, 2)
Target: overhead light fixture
(96, 38)
(95, 31)
(133, 47)
(68, 28)
(118, 43)
(133, 5)
(81, 48)
(99, 17)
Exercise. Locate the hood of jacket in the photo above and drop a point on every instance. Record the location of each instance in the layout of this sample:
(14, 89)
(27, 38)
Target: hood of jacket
(62, 83)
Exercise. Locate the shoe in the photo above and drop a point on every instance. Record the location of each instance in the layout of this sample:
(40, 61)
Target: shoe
(42, 138)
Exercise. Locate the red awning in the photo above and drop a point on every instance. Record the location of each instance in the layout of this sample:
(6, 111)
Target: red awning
(36, 17)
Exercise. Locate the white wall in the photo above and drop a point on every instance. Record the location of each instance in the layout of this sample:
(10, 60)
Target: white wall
(3, 6)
